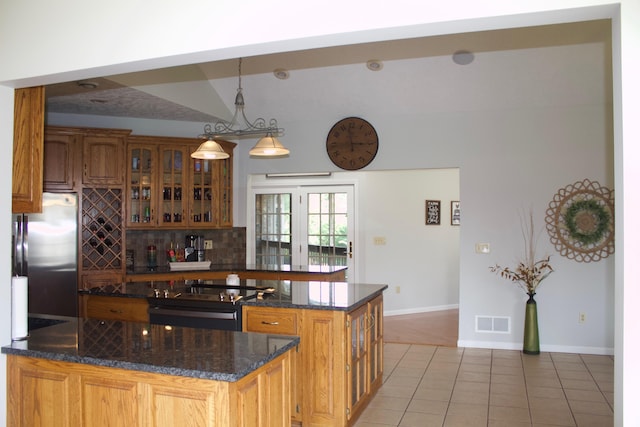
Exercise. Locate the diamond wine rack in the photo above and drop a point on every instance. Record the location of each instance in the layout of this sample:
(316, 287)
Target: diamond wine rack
(101, 229)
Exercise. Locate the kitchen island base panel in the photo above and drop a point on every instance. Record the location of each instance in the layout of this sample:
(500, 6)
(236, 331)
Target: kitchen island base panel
(42, 390)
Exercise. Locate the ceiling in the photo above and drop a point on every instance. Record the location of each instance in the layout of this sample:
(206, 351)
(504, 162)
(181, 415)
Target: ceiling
(205, 92)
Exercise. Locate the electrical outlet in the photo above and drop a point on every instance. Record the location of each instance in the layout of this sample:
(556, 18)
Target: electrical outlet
(208, 244)
(582, 318)
(397, 289)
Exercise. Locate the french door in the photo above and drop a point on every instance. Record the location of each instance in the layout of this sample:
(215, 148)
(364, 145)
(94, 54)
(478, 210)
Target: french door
(311, 226)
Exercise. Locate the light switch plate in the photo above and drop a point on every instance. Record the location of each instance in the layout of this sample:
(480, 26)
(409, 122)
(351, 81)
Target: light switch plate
(483, 248)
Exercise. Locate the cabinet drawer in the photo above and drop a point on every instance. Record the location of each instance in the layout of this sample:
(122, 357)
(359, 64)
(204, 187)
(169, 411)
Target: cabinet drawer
(117, 308)
(271, 321)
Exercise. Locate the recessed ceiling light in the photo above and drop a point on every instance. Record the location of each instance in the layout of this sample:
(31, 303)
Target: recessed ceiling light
(374, 65)
(463, 57)
(88, 85)
(281, 74)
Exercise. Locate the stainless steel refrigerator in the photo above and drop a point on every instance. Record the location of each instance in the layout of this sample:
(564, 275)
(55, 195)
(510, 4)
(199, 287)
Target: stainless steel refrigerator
(44, 248)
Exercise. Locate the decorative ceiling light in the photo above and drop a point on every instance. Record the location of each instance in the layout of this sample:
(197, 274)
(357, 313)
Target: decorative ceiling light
(268, 146)
(240, 127)
(210, 150)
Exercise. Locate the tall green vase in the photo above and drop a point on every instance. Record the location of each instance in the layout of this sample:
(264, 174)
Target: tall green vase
(531, 338)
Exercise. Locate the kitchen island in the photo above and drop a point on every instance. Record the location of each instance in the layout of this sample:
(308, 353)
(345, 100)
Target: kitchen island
(86, 372)
(339, 363)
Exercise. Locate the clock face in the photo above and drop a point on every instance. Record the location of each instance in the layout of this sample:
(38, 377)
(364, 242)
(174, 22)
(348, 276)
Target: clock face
(352, 143)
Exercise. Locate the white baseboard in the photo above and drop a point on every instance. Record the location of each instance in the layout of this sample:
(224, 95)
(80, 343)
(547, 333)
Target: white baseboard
(603, 351)
(420, 310)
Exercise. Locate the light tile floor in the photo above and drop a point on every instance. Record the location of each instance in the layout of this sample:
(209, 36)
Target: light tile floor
(427, 386)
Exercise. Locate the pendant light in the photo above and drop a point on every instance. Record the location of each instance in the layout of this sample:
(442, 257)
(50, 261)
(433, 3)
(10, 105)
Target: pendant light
(268, 146)
(210, 150)
(240, 127)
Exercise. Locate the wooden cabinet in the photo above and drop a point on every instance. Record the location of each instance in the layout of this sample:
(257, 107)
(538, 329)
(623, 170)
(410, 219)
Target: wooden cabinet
(167, 188)
(102, 157)
(28, 146)
(60, 165)
(339, 363)
(45, 392)
(279, 322)
(114, 308)
(365, 350)
(142, 161)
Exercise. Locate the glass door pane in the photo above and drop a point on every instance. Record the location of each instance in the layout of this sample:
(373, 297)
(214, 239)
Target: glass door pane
(327, 229)
(273, 231)
(172, 186)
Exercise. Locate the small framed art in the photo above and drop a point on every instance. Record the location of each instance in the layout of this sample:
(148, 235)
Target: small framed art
(455, 212)
(432, 212)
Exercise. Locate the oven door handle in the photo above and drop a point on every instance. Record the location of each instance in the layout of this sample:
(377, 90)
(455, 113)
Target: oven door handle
(190, 313)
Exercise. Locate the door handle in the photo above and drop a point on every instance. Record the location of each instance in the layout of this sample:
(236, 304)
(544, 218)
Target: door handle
(350, 249)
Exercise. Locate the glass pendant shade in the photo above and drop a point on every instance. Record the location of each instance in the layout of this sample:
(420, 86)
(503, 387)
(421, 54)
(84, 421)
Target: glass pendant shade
(210, 150)
(268, 146)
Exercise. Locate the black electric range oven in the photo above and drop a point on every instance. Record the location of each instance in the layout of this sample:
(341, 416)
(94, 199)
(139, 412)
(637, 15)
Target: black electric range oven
(200, 305)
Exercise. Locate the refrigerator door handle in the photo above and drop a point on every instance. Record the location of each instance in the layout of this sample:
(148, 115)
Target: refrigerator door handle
(18, 253)
(25, 246)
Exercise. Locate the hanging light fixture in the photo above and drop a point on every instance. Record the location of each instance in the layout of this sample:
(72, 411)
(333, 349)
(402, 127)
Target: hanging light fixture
(241, 127)
(210, 150)
(268, 146)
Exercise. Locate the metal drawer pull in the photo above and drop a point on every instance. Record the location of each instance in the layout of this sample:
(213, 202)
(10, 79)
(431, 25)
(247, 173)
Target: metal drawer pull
(113, 310)
(270, 323)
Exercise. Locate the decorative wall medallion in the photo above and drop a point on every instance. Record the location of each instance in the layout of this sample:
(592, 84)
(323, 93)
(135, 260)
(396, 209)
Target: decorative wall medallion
(580, 221)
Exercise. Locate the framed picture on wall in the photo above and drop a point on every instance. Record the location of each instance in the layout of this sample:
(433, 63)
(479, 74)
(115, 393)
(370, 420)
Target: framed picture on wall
(455, 212)
(433, 212)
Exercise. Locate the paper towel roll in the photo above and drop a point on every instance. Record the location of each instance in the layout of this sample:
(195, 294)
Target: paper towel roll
(19, 308)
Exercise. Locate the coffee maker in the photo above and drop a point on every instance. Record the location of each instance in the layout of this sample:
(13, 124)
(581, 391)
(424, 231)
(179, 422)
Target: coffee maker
(194, 248)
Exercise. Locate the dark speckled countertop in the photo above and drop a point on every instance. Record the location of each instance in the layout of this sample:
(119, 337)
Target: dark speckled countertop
(238, 268)
(190, 352)
(341, 296)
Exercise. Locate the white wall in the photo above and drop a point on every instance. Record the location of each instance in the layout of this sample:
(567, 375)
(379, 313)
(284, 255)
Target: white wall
(63, 56)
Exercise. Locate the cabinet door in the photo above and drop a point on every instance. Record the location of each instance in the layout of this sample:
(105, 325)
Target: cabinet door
(357, 382)
(211, 204)
(203, 194)
(28, 142)
(173, 184)
(376, 344)
(142, 191)
(59, 161)
(102, 158)
(225, 195)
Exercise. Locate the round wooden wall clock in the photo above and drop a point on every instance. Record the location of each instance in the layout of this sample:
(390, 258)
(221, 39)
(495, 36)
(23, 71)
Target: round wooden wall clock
(352, 143)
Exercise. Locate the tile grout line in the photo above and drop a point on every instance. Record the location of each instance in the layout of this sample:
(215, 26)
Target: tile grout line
(564, 393)
(596, 382)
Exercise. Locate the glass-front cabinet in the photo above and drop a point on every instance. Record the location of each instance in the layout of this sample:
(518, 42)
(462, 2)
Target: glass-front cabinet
(173, 185)
(141, 192)
(169, 189)
(203, 193)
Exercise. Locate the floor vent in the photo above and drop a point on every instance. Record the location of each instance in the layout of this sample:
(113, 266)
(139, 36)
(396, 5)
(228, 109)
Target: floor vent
(493, 324)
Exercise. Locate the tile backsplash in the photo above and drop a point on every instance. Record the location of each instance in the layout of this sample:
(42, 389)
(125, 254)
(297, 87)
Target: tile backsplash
(229, 245)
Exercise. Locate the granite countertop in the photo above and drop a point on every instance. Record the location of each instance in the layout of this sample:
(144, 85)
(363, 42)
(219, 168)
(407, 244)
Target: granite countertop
(190, 352)
(237, 268)
(341, 296)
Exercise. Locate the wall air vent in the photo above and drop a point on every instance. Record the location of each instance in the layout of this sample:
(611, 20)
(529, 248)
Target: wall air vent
(493, 324)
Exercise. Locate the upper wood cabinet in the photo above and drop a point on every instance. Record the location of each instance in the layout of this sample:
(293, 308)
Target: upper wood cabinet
(28, 141)
(60, 165)
(167, 188)
(102, 158)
